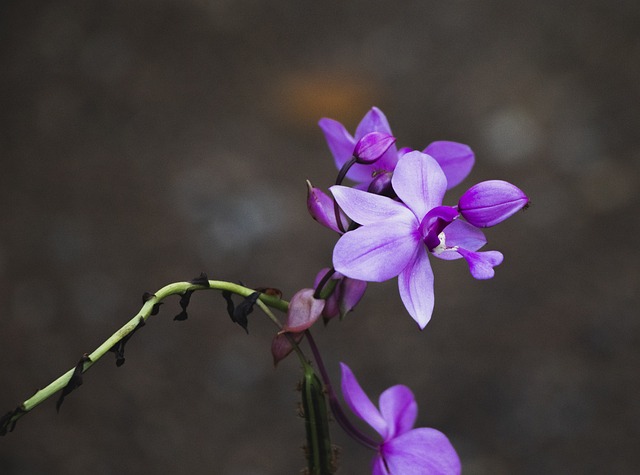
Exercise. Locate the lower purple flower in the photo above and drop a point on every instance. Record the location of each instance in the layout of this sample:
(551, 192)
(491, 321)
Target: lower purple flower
(403, 449)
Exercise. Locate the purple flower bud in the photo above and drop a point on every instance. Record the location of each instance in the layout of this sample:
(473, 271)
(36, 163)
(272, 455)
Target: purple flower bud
(281, 346)
(381, 184)
(303, 311)
(345, 296)
(322, 208)
(491, 202)
(372, 146)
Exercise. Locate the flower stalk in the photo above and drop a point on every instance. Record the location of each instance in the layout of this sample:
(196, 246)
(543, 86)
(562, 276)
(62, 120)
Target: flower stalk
(149, 308)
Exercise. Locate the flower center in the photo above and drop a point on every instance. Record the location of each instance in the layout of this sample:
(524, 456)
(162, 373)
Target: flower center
(443, 244)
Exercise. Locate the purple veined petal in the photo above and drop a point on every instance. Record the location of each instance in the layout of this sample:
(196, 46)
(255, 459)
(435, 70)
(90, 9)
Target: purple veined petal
(376, 252)
(372, 146)
(419, 182)
(340, 142)
(360, 403)
(481, 264)
(399, 408)
(373, 121)
(491, 202)
(422, 451)
(321, 208)
(303, 311)
(456, 160)
(416, 287)
(366, 208)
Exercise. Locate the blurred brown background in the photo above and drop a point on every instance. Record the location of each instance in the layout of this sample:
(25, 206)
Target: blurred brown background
(144, 142)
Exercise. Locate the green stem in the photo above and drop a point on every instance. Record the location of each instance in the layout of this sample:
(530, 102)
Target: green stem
(178, 288)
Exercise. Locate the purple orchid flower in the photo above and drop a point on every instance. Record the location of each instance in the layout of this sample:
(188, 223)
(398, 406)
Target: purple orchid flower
(396, 238)
(403, 450)
(455, 159)
(342, 145)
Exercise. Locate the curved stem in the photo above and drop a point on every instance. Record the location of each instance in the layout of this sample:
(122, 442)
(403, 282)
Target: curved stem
(178, 288)
(319, 294)
(336, 408)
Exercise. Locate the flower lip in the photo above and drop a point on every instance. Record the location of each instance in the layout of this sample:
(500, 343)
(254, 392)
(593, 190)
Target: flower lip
(434, 223)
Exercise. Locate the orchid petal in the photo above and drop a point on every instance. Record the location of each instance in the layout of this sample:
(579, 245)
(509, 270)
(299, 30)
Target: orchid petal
(455, 159)
(416, 288)
(491, 202)
(360, 403)
(377, 252)
(481, 264)
(340, 142)
(422, 451)
(399, 408)
(367, 208)
(419, 182)
(373, 121)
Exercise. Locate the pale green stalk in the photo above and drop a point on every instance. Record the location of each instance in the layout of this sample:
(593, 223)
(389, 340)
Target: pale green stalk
(178, 288)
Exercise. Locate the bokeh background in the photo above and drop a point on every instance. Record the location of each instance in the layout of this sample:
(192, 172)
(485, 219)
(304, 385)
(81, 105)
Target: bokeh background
(145, 142)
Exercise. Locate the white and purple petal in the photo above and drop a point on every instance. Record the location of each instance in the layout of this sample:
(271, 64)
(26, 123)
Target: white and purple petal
(456, 160)
(416, 287)
(377, 252)
(419, 182)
